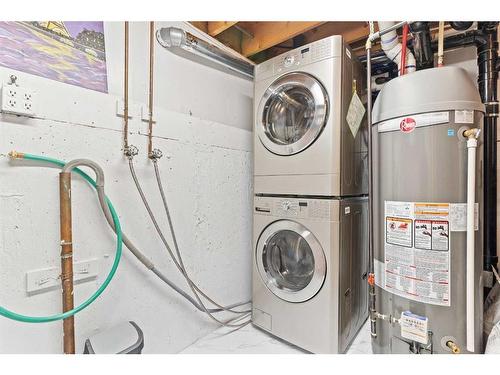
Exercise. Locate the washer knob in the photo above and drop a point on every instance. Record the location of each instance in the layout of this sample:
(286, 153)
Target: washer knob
(289, 61)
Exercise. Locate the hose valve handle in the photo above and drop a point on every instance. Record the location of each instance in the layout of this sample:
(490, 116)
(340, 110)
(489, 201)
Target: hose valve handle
(130, 151)
(472, 133)
(155, 155)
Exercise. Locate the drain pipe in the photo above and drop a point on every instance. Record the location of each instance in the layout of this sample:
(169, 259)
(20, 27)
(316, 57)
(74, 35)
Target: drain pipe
(66, 261)
(393, 48)
(487, 59)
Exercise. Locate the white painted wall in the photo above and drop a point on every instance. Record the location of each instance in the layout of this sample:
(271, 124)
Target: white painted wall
(204, 122)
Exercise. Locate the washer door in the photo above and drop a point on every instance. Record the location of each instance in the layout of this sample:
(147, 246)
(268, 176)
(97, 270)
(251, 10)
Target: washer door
(290, 261)
(292, 113)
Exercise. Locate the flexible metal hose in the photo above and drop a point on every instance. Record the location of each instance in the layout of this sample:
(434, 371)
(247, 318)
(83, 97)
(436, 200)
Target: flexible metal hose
(162, 237)
(174, 237)
(133, 249)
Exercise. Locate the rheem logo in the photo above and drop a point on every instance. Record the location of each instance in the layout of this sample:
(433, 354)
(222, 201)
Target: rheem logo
(407, 125)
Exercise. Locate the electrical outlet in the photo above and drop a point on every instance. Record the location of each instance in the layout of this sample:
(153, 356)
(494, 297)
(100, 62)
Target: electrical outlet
(46, 279)
(11, 91)
(17, 100)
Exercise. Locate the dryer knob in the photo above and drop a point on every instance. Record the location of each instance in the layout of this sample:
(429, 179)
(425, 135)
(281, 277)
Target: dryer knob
(286, 205)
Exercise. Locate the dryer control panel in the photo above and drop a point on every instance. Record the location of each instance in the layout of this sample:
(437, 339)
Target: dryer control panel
(283, 207)
(310, 53)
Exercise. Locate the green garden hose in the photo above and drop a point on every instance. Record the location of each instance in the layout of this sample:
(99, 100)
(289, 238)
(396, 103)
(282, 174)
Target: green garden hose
(45, 319)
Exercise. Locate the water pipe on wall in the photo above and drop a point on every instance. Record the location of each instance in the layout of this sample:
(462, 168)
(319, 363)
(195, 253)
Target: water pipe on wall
(97, 184)
(125, 87)
(66, 260)
(128, 149)
(153, 154)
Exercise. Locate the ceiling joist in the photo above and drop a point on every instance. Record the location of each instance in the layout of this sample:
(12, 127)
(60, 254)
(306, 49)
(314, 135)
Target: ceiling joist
(214, 28)
(263, 40)
(268, 34)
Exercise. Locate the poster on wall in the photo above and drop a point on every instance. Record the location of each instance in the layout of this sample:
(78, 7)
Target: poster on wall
(69, 52)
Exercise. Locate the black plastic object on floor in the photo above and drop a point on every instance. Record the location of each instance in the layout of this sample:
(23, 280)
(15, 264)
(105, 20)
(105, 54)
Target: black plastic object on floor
(125, 338)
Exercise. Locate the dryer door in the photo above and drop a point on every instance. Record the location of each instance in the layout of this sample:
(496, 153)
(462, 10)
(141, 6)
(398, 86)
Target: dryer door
(290, 261)
(292, 113)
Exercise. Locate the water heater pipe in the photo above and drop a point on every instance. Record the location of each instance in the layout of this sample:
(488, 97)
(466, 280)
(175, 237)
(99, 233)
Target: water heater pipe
(404, 49)
(441, 44)
(371, 270)
(390, 28)
(393, 48)
(471, 135)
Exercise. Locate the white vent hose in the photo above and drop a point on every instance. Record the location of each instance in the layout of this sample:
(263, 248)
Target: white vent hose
(392, 48)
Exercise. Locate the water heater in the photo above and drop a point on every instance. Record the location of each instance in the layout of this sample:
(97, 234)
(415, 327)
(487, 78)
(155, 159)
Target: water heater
(420, 184)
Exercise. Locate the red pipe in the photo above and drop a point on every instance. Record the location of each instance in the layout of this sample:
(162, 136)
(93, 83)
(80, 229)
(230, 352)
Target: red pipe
(403, 49)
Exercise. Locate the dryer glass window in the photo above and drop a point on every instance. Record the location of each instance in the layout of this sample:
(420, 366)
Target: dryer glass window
(288, 260)
(292, 113)
(289, 114)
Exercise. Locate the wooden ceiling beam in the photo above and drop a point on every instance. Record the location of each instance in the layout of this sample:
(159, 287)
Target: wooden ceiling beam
(202, 25)
(216, 27)
(268, 34)
(351, 31)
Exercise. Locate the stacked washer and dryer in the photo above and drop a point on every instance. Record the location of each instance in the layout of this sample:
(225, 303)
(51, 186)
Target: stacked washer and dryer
(310, 207)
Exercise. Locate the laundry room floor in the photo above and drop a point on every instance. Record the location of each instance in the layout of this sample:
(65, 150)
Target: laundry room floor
(251, 340)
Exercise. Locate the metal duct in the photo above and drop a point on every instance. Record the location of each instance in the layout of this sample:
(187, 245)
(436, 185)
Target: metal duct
(189, 46)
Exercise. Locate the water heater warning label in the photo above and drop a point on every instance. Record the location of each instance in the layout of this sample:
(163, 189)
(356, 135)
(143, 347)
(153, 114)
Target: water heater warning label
(417, 251)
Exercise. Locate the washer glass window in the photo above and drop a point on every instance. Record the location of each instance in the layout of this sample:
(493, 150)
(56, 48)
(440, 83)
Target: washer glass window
(293, 112)
(290, 261)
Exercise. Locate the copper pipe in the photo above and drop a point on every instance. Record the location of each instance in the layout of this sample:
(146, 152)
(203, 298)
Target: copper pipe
(125, 91)
(151, 82)
(66, 260)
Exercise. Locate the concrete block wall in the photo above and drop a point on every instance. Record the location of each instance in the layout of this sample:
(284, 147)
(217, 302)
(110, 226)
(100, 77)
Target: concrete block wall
(203, 128)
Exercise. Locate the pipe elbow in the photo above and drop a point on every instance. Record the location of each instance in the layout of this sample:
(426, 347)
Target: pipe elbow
(392, 48)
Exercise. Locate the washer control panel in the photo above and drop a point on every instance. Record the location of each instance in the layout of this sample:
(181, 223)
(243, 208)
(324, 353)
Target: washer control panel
(293, 207)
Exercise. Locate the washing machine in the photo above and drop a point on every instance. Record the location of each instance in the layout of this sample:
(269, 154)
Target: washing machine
(303, 143)
(310, 265)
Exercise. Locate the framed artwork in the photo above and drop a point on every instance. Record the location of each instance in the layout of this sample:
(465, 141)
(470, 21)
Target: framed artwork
(69, 52)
